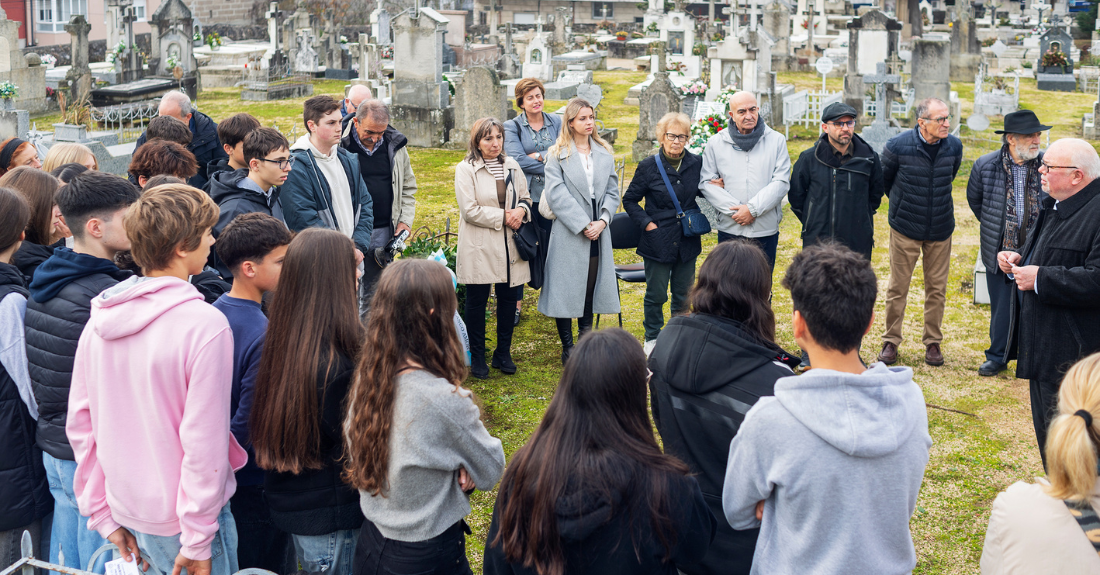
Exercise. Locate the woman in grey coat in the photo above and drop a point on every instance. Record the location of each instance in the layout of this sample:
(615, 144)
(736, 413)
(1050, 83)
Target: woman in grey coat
(583, 192)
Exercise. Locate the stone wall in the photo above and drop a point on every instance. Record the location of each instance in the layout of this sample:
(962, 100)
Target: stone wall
(240, 12)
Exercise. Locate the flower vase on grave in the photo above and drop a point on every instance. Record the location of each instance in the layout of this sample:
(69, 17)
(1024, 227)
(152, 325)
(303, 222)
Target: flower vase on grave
(7, 104)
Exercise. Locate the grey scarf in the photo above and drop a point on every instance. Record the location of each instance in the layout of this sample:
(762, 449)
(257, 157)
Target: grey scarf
(745, 142)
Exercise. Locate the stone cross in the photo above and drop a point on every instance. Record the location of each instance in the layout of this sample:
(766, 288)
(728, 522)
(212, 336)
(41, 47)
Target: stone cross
(128, 20)
(755, 12)
(662, 59)
(79, 77)
(272, 16)
(540, 25)
(880, 79)
(731, 12)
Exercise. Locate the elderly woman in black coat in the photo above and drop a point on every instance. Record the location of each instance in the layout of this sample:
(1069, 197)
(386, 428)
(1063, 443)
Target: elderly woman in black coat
(669, 256)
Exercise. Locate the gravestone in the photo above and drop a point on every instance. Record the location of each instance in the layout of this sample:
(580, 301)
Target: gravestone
(777, 23)
(559, 42)
(872, 39)
(172, 38)
(655, 10)
(1055, 77)
(881, 130)
(742, 60)
(658, 99)
(966, 55)
(591, 93)
(380, 27)
(79, 77)
(305, 56)
(931, 66)
(116, 28)
(420, 98)
(478, 94)
(677, 30)
(31, 80)
(537, 58)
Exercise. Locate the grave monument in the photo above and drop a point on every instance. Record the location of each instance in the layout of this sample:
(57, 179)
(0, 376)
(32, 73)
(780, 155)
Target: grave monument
(421, 99)
(1054, 70)
(658, 99)
(872, 39)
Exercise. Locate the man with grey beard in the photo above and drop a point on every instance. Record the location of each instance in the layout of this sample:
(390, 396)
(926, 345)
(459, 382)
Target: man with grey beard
(1005, 194)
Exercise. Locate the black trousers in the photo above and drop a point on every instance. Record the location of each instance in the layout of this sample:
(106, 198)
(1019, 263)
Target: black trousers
(444, 554)
(1044, 403)
(1001, 292)
(477, 296)
(259, 543)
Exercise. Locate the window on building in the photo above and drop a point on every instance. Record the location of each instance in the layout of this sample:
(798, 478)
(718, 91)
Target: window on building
(139, 10)
(603, 10)
(54, 14)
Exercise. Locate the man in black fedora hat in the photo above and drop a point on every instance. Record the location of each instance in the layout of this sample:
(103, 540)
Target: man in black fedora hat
(836, 186)
(1005, 194)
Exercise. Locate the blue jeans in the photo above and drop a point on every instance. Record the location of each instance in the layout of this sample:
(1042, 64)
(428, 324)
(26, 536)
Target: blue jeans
(767, 243)
(331, 554)
(161, 551)
(70, 534)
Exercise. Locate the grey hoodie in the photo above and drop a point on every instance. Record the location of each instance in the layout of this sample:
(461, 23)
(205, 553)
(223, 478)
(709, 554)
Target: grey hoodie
(838, 459)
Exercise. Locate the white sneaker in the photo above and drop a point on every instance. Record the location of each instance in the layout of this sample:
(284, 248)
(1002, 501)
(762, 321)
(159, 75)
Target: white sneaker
(648, 347)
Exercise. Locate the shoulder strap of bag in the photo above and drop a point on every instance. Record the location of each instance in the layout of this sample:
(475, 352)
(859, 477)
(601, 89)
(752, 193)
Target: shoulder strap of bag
(1086, 517)
(508, 180)
(668, 186)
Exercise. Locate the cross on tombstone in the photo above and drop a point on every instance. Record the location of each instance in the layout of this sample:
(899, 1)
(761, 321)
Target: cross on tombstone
(755, 12)
(880, 79)
(540, 25)
(894, 64)
(272, 15)
(128, 20)
(731, 12)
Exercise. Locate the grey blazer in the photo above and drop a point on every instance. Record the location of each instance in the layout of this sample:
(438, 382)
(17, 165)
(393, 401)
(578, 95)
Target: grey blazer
(518, 143)
(567, 256)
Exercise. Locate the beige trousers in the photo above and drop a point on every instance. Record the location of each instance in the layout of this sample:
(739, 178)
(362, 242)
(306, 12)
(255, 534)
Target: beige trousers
(903, 260)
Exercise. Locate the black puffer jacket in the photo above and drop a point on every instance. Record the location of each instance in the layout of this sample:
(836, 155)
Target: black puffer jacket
(1058, 323)
(707, 372)
(920, 189)
(233, 201)
(24, 492)
(986, 192)
(58, 309)
(667, 243)
(31, 255)
(317, 501)
(835, 201)
(205, 145)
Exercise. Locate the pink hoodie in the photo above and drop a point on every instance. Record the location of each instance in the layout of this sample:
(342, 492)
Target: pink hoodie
(149, 413)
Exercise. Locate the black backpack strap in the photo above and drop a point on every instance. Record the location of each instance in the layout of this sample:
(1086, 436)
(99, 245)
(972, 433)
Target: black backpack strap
(1086, 517)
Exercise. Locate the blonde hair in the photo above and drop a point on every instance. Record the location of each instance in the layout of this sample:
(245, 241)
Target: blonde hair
(565, 146)
(166, 218)
(678, 118)
(1071, 442)
(67, 153)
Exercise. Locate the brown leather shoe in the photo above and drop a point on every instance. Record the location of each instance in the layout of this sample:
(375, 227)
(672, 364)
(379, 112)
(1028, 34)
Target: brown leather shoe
(932, 355)
(889, 353)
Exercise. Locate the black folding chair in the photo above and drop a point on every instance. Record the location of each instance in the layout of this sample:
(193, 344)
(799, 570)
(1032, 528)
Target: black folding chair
(625, 236)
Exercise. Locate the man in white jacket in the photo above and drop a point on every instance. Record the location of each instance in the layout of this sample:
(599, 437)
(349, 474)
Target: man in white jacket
(752, 162)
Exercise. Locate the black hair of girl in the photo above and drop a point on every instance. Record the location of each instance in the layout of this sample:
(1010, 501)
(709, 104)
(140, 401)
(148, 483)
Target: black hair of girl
(735, 282)
(597, 436)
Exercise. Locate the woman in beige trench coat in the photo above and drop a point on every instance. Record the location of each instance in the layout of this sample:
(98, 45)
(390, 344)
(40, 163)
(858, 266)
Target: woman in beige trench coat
(492, 202)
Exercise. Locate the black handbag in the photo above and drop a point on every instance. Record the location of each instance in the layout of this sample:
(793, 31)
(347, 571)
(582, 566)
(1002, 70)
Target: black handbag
(693, 222)
(527, 236)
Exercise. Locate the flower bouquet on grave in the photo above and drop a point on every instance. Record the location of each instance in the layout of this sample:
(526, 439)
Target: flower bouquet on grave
(387, 52)
(49, 60)
(702, 131)
(696, 88)
(698, 49)
(1055, 59)
(806, 25)
(8, 91)
(620, 35)
(652, 28)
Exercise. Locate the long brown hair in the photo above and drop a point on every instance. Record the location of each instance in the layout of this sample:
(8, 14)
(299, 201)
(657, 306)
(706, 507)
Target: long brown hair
(411, 320)
(735, 282)
(314, 317)
(40, 190)
(596, 436)
(14, 215)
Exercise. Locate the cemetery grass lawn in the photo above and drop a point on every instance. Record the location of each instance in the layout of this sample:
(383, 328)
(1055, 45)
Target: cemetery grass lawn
(973, 457)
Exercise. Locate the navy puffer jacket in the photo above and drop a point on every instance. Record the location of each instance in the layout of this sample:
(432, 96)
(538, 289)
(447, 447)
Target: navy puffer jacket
(986, 193)
(920, 189)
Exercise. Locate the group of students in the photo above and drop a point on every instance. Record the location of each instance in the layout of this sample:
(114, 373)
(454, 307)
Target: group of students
(278, 429)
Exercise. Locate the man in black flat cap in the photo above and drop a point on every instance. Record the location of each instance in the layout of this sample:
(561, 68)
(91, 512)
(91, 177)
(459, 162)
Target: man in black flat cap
(836, 186)
(1005, 194)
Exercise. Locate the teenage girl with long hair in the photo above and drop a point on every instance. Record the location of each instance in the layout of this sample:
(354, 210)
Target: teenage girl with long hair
(591, 491)
(416, 446)
(306, 368)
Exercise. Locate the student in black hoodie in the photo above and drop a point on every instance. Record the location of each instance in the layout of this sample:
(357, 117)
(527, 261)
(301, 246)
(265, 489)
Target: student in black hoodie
(231, 133)
(255, 189)
(591, 491)
(93, 204)
(24, 495)
(709, 368)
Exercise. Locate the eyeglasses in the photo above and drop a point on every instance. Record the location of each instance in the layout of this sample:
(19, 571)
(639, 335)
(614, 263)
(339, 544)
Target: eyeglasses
(283, 164)
(1050, 167)
(676, 137)
(848, 124)
(939, 120)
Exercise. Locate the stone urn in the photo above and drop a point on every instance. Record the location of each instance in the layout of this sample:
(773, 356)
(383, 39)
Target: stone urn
(70, 133)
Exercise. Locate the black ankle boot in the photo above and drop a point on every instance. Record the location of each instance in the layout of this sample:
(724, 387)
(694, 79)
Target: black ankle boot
(502, 355)
(565, 333)
(502, 360)
(475, 329)
(478, 368)
(584, 325)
